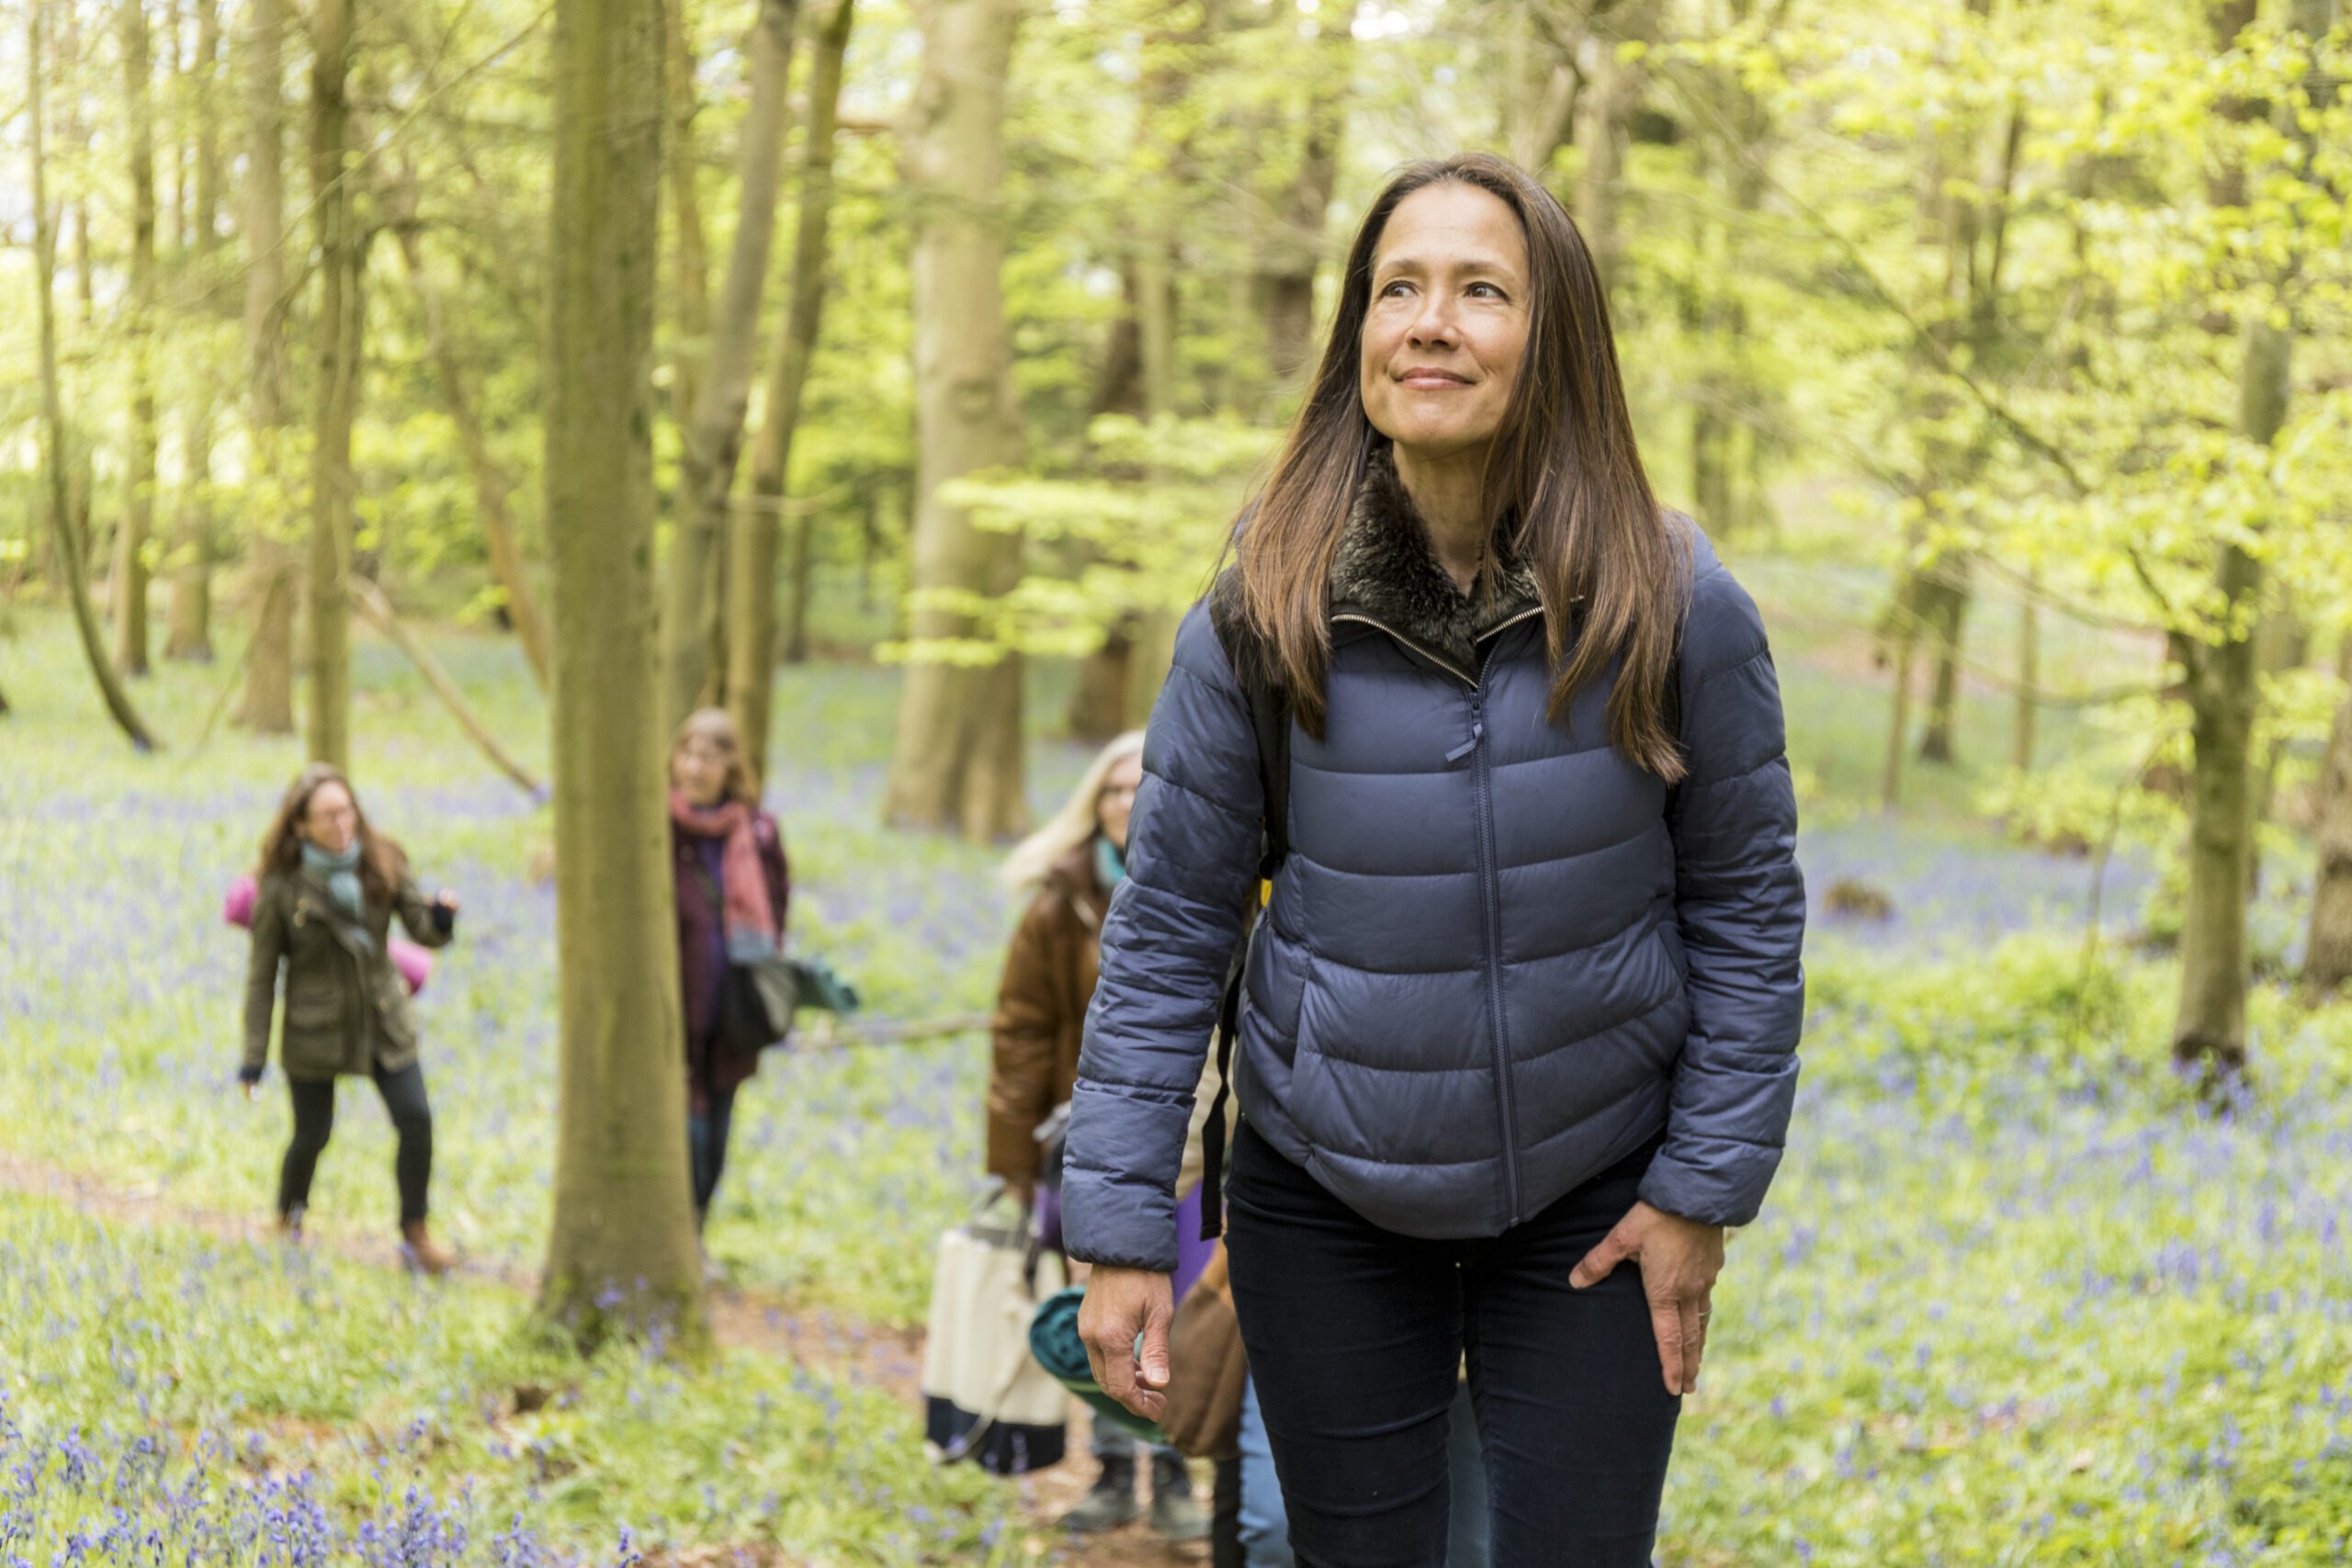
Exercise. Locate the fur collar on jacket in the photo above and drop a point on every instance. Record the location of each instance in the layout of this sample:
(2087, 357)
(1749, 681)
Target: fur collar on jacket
(1388, 571)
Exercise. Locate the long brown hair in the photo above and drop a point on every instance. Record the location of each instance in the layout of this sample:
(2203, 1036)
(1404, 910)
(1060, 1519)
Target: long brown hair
(382, 866)
(1564, 477)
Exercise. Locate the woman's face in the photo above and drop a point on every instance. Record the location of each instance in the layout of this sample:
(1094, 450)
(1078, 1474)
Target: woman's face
(1447, 325)
(330, 819)
(1117, 801)
(698, 770)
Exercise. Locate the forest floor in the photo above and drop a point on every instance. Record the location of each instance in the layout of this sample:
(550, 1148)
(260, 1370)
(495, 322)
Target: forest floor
(2017, 1298)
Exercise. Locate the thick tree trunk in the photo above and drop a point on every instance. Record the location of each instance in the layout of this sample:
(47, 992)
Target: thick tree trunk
(492, 486)
(70, 544)
(267, 705)
(327, 605)
(2327, 956)
(138, 503)
(750, 612)
(959, 758)
(692, 592)
(190, 629)
(621, 1250)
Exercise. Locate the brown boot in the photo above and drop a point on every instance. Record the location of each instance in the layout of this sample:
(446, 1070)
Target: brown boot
(422, 1253)
(289, 1225)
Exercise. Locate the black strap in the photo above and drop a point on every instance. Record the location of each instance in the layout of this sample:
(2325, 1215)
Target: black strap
(1229, 1020)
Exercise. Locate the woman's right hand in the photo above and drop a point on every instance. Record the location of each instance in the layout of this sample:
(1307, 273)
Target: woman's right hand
(1120, 1304)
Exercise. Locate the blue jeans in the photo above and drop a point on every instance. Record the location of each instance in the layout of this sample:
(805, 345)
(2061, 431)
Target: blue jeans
(1265, 1526)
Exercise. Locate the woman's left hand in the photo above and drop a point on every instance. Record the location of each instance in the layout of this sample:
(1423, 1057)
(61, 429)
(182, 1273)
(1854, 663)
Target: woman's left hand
(446, 899)
(1680, 1259)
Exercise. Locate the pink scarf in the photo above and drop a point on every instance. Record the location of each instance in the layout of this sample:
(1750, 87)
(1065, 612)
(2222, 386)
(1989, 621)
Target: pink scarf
(750, 919)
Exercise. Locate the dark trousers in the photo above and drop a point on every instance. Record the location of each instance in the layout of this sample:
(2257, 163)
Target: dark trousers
(1356, 1336)
(412, 1116)
(707, 1131)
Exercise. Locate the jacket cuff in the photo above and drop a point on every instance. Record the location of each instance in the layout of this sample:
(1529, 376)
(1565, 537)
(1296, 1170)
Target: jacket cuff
(249, 1074)
(1722, 1185)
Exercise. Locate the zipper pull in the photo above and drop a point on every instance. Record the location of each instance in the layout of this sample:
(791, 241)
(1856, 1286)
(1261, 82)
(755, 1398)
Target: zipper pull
(1477, 733)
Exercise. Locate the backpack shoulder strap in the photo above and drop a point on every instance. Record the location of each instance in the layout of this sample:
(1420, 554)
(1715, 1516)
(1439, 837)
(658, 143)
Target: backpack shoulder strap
(1269, 715)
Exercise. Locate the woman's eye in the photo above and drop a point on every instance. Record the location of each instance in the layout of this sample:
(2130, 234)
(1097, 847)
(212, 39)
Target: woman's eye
(1490, 289)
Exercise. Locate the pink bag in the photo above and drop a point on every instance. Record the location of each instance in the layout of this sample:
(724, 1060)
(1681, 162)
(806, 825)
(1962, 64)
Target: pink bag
(415, 964)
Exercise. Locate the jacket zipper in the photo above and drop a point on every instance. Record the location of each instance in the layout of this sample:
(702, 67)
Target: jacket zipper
(1489, 880)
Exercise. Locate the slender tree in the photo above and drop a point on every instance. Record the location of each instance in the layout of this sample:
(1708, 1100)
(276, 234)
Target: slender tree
(69, 539)
(268, 704)
(621, 1251)
(958, 759)
(693, 591)
(750, 615)
(190, 631)
(327, 603)
(139, 504)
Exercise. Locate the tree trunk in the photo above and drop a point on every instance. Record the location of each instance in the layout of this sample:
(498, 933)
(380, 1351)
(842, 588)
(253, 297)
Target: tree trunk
(190, 633)
(750, 612)
(139, 502)
(621, 1250)
(327, 606)
(70, 544)
(1608, 111)
(267, 705)
(1286, 278)
(2226, 696)
(691, 293)
(492, 486)
(693, 590)
(959, 758)
(2327, 957)
(1943, 610)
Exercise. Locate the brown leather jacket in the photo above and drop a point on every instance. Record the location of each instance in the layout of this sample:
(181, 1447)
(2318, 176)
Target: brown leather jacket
(1041, 1011)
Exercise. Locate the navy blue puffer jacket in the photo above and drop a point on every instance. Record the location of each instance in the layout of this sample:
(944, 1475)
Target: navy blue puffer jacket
(1497, 958)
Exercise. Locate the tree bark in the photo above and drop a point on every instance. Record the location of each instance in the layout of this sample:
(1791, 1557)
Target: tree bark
(690, 295)
(692, 592)
(621, 1251)
(492, 485)
(2226, 696)
(958, 761)
(69, 544)
(138, 503)
(2327, 956)
(190, 626)
(267, 705)
(1608, 111)
(1294, 249)
(327, 606)
(750, 612)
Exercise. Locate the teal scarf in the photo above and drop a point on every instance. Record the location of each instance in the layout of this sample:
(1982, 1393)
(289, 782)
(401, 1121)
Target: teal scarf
(1110, 865)
(341, 874)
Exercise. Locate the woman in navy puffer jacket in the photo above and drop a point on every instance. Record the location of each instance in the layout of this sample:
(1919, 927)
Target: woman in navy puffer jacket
(1518, 1026)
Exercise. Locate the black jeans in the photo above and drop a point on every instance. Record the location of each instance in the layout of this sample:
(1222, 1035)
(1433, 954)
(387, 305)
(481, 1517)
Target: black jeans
(412, 1116)
(1355, 1337)
(707, 1133)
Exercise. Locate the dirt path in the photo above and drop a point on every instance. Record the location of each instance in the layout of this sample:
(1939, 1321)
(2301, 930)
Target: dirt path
(841, 1347)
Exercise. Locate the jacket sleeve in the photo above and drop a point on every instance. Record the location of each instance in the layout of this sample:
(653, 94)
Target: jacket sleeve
(1739, 901)
(416, 917)
(1167, 945)
(1027, 1026)
(260, 977)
